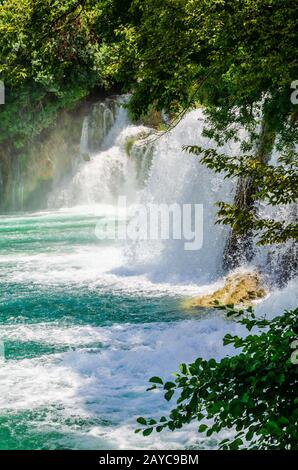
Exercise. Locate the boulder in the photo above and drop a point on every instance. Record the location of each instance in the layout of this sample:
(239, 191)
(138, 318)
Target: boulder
(240, 288)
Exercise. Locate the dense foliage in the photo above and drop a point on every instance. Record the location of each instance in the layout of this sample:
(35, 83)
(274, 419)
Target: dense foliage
(49, 59)
(238, 58)
(254, 393)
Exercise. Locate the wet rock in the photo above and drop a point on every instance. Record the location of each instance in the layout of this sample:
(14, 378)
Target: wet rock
(240, 288)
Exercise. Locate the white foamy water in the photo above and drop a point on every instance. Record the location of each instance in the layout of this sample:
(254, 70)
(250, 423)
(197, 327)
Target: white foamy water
(279, 300)
(109, 171)
(109, 382)
(178, 177)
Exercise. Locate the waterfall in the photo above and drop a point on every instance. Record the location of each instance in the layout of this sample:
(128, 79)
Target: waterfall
(149, 167)
(107, 170)
(141, 151)
(178, 177)
(17, 185)
(278, 262)
(84, 144)
(152, 168)
(101, 120)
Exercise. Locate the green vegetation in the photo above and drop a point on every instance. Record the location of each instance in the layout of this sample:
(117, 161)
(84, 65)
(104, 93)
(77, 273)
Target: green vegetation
(50, 57)
(253, 393)
(239, 59)
(46, 64)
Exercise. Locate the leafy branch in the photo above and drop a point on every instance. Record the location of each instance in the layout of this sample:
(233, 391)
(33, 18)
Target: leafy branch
(254, 393)
(273, 184)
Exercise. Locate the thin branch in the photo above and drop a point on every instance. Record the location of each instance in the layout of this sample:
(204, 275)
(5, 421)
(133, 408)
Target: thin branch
(181, 115)
(66, 14)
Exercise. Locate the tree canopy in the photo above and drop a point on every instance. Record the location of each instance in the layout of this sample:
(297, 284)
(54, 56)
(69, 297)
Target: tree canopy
(238, 59)
(48, 60)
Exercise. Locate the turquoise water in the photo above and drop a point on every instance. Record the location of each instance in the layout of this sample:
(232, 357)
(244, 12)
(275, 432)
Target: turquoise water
(81, 338)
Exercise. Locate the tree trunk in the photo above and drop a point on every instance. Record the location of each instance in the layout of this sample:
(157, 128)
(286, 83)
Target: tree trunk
(240, 249)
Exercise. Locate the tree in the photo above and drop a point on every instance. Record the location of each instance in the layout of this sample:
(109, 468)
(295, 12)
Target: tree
(253, 393)
(47, 62)
(238, 58)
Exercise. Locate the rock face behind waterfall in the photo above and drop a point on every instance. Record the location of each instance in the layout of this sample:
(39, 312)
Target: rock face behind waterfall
(29, 175)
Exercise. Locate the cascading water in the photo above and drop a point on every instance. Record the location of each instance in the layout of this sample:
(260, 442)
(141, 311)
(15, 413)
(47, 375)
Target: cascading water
(84, 144)
(17, 187)
(279, 263)
(149, 167)
(127, 158)
(108, 171)
(85, 322)
(177, 177)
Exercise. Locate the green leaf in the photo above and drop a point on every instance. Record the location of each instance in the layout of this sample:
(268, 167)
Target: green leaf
(245, 398)
(249, 435)
(156, 380)
(169, 395)
(203, 427)
(169, 385)
(183, 368)
(142, 421)
(152, 422)
(236, 444)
